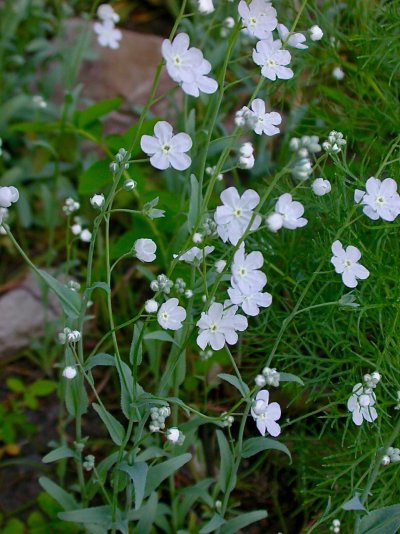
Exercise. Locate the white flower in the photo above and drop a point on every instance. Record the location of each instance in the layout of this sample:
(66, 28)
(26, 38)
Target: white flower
(181, 61)
(227, 25)
(196, 254)
(39, 101)
(296, 40)
(86, 236)
(274, 222)
(97, 201)
(338, 73)
(234, 216)
(321, 187)
(316, 33)
(220, 266)
(361, 405)
(246, 162)
(291, 212)
(107, 34)
(262, 122)
(200, 83)
(246, 150)
(69, 373)
(380, 200)
(106, 12)
(258, 18)
(165, 149)
(219, 325)
(151, 306)
(346, 264)
(8, 195)
(170, 315)
(246, 275)
(175, 436)
(144, 250)
(272, 59)
(250, 300)
(197, 238)
(206, 6)
(266, 415)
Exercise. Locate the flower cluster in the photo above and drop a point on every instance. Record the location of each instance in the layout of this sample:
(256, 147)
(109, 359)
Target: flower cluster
(362, 401)
(335, 527)
(78, 230)
(304, 148)
(392, 456)
(69, 336)
(107, 34)
(257, 118)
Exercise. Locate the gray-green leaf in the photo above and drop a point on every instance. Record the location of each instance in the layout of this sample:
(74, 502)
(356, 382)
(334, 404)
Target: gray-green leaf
(114, 427)
(253, 446)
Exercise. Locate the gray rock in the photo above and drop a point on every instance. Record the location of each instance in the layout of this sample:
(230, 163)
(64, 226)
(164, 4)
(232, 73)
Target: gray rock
(23, 315)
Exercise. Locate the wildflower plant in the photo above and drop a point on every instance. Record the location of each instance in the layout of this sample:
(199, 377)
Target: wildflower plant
(236, 271)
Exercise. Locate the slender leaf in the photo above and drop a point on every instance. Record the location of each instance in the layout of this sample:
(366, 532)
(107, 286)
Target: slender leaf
(58, 454)
(114, 427)
(101, 359)
(253, 446)
(243, 520)
(382, 521)
(288, 377)
(215, 522)
(227, 476)
(234, 381)
(138, 474)
(64, 499)
(69, 300)
(158, 473)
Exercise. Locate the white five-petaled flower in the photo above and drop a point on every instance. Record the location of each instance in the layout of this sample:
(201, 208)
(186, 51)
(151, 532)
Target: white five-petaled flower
(361, 404)
(234, 216)
(165, 149)
(269, 55)
(265, 414)
(316, 33)
(291, 212)
(144, 250)
(246, 275)
(346, 263)
(261, 121)
(219, 326)
(381, 199)
(8, 195)
(296, 40)
(250, 300)
(187, 66)
(170, 315)
(258, 17)
(107, 34)
(338, 73)
(321, 187)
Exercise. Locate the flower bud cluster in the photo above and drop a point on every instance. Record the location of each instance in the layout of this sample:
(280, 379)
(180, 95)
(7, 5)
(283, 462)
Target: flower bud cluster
(150, 211)
(269, 377)
(246, 159)
(304, 147)
(69, 336)
(227, 420)
(74, 286)
(121, 161)
(209, 227)
(158, 417)
(89, 462)
(162, 283)
(334, 143)
(371, 381)
(205, 354)
(335, 527)
(211, 170)
(180, 285)
(70, 206)
(392, 456)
